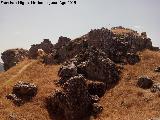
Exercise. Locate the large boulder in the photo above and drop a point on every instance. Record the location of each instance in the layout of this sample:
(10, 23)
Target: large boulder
(145, 82)
(12, 56)
(62, 41)
(74, 101)
(22, 91)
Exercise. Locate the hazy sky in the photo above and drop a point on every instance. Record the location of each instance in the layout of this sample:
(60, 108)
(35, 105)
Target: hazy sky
(22, 26)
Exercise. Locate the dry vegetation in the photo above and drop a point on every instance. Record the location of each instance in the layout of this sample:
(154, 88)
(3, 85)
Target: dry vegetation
(124, 102)
(124, 31)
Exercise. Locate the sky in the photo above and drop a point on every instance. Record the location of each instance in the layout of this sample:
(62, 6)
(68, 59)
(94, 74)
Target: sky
(22, 26)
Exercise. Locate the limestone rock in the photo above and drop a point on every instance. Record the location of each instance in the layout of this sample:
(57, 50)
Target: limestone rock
(62, 41)
(74, 100)
(46, 46)
(132, 58)
(12, 56)
(144, 82)
(95, 65)
(22, 91)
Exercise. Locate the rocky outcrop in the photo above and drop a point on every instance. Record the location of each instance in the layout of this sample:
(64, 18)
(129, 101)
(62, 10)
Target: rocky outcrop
(94, 64)
(74, 100)
(144, 82)
(62, 41)
(22, 92)
(114, 43)
(12, 56)
(46, 46)
(78, 96)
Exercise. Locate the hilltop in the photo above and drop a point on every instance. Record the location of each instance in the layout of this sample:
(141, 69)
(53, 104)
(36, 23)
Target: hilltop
(99, 70)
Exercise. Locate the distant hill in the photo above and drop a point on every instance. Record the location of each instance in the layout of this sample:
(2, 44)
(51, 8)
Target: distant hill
(1, 67)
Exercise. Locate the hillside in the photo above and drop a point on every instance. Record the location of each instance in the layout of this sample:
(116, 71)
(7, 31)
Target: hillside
(124, 102)
(102, 75)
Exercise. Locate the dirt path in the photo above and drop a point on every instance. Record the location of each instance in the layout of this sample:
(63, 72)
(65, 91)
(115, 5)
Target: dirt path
(18, 73)
(21, 70)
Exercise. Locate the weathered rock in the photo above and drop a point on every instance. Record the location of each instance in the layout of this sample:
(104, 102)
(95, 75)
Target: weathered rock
(157, 69)
(96, 109)
(95, 65)
(132, 58)
(25, 89)
(22, 91)
(12, 56)
(74, 101)
(155, 87)
(46, 46)
(68, 70)
(16, 100)
(118, 51)
(62, 41)
(96, 88)
(144, 82)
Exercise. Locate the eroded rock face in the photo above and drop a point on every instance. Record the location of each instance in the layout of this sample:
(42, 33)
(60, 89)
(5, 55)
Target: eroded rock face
(62, 41)
(94, 64)
(22, 92)
(12, 56)
(144, 82)
(68, 70)
(74, 101)
(46, 46)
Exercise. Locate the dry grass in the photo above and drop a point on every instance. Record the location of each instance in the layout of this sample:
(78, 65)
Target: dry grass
(123, 31)
(124, 102)
(43, 76)
(128, 102)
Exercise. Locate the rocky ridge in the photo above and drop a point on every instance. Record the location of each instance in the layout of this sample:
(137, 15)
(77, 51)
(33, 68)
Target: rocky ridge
(90, 67)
